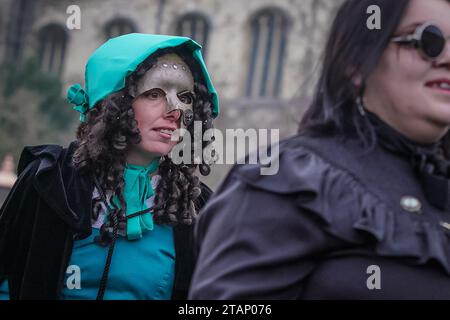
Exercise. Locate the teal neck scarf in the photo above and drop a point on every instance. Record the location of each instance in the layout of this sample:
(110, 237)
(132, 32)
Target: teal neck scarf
(138, 188)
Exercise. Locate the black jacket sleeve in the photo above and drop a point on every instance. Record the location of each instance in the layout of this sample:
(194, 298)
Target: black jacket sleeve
(185, 251)
(255, 244)
(13, 215)
(32, 235)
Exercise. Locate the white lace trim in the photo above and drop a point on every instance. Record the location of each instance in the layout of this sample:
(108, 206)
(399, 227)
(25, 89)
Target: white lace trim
(102, 214)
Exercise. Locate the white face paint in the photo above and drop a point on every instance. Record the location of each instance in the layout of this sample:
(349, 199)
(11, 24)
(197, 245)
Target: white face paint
(171, 75)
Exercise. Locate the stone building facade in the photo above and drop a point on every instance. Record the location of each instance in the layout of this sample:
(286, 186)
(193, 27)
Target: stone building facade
(262, 54)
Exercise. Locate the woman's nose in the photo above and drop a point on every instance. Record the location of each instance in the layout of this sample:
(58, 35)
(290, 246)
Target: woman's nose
(445, 59)
(173, 115)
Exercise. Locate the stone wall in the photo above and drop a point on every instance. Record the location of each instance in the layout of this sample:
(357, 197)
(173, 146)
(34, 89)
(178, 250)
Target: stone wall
(228, 51)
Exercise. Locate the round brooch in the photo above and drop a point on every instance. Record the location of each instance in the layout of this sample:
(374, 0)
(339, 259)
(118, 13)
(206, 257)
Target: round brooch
(411, 204)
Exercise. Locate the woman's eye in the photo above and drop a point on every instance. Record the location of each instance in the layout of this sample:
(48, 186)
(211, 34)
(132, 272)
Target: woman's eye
(155, 94)
(186, 98)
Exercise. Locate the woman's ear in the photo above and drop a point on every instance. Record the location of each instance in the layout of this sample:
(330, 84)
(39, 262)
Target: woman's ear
(357, 80)
(355, 77)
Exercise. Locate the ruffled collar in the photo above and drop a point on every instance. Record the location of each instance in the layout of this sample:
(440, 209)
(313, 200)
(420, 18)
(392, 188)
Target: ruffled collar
(428, 161)
(138, 188)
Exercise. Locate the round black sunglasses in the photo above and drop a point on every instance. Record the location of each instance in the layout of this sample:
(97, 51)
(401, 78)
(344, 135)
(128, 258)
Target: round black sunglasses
(427, 38)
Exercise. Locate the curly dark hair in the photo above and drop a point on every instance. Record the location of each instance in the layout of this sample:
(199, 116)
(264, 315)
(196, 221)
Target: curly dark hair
(111, 127)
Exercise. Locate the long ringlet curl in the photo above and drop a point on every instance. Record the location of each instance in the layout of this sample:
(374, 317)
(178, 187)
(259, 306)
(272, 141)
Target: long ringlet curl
(175, 195)
(111, 127)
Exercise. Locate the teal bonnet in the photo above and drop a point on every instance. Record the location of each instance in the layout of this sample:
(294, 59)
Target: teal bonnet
(110, 65)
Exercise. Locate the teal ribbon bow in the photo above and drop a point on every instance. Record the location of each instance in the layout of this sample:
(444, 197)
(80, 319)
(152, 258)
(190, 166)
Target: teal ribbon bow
(77, 96)
(138, 188)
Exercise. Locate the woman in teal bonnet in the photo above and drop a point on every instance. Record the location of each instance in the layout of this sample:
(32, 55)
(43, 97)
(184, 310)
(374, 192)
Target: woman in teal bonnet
(111, 216)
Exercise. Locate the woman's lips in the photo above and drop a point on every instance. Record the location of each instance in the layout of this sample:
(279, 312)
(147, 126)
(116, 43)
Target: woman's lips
(441, 85)
(165, 133)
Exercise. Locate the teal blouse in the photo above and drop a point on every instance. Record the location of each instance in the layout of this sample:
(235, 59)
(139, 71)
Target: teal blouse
(141, 269)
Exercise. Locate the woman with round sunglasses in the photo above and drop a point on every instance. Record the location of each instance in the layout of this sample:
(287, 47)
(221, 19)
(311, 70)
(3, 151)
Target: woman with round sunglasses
(360, 208)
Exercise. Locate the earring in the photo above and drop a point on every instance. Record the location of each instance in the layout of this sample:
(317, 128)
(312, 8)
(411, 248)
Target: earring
(360, 105)
(188, 117)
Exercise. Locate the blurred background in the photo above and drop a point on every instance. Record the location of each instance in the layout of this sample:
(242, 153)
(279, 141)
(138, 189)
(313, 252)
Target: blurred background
(263, 57)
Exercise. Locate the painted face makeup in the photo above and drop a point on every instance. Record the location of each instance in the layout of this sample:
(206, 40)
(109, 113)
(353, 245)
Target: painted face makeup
(171, 75)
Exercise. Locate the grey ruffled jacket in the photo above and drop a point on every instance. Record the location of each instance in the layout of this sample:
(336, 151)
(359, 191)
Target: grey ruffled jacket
(334, 223)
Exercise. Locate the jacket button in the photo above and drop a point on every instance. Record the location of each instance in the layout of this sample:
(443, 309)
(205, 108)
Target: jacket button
(411, 204)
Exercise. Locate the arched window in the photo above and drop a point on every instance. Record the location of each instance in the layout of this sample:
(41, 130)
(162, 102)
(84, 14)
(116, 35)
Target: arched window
(118, 27)
(267, 53)
(52, 48)
(18, 24)
(196, 27)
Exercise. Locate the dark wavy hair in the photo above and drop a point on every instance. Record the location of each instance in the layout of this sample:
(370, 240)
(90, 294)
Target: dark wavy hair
(352, 49)
(111, 127)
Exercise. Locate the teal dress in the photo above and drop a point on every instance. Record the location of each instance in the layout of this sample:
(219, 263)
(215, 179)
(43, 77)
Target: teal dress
(4, 290)
(141, 269)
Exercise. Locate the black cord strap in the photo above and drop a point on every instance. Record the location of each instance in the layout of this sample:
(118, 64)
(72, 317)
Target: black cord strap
(139, 213)
(104, 280)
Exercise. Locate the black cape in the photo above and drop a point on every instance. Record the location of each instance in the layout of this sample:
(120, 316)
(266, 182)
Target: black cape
(48, 207)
